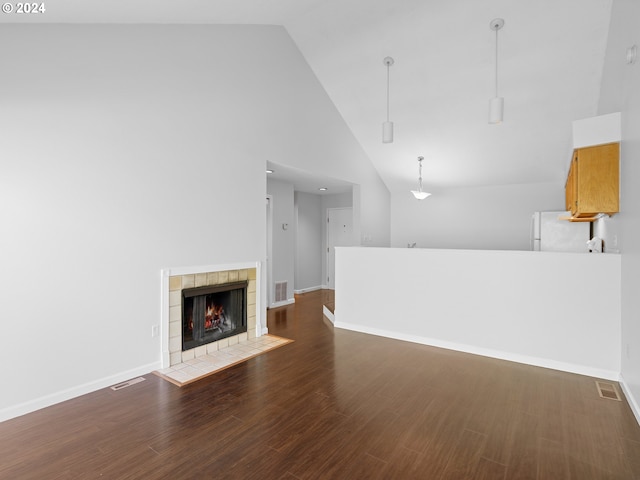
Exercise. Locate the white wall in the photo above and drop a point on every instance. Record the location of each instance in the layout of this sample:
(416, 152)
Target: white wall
(127, 149)
(621, 93)
(556, 310)
(283, 241)
(308, 248)
(490, 218)
(337, 200)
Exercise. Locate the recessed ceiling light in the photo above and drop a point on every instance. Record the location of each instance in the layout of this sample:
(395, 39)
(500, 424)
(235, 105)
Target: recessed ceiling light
(269, 170)
(323, 189)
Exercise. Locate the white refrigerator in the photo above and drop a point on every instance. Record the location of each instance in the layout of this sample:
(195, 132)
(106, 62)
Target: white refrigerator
(550, 234)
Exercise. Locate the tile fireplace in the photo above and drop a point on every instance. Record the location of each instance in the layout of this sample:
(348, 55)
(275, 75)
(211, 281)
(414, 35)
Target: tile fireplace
(205, 309)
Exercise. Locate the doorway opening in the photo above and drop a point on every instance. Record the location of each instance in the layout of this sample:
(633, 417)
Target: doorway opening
(301, 239)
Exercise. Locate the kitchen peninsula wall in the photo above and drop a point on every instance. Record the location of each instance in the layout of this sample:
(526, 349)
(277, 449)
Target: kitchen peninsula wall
(550, 309)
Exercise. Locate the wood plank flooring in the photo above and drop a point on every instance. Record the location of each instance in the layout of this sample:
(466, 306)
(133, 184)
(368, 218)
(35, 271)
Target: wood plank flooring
(337, 405)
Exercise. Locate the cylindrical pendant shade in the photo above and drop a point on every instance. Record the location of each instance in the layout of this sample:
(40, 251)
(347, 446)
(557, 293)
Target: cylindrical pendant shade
(496, 110)
(387, 132)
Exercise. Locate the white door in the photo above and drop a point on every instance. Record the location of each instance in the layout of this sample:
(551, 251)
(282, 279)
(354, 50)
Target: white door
(339, 234)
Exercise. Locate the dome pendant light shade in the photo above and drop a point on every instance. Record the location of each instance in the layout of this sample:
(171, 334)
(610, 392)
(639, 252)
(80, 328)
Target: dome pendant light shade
(387, 127)
(496, 104)
(496, 110)
(419, 194)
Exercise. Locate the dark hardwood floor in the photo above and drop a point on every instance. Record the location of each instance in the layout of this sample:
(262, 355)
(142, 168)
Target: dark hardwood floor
(338, 405)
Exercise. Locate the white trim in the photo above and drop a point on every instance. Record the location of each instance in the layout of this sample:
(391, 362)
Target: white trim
(261, 318)
(73, 392)
(485, 352)
(631, 400)
(327, 313)
(269, 246)
(172, 272)
(165, 357)
(307, 290)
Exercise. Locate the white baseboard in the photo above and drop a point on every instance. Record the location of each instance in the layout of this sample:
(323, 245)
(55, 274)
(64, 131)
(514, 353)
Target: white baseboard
(485, 352)
(283, 303)
(633, 402)
(307, 290)
(327, 313)
(68, 394)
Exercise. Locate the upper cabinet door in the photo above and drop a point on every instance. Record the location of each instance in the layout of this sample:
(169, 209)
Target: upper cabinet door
(593, 183)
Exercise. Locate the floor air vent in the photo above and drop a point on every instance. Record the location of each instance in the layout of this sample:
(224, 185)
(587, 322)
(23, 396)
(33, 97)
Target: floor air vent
(128, 383)
(608, 390)
(281, 291)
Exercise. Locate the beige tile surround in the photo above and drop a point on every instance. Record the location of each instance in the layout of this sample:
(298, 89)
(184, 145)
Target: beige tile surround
(192, 370)
(179, 282)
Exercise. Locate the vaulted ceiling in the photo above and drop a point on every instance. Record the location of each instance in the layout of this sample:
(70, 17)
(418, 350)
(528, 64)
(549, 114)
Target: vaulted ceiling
(551, 55)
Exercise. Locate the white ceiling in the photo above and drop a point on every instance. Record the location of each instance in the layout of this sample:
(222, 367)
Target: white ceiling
(551, 55)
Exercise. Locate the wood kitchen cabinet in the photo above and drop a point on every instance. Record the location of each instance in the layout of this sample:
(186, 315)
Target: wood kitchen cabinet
(593, 183)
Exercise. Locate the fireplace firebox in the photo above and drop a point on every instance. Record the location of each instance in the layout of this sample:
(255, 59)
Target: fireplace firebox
(212, 313)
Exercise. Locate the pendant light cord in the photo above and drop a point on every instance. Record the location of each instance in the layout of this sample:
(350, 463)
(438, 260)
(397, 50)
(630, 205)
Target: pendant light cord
(387, 92)
(496, 63)
(387, 126)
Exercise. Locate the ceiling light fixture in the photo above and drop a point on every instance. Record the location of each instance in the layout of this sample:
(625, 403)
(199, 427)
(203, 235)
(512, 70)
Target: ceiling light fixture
(387, 127)
(323, 189)
(269, 170)
(419, 194)
(496, 104)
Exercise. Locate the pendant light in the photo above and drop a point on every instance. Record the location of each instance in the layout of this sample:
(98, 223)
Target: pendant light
(387, 127)
(419, 194)
(496, 104)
